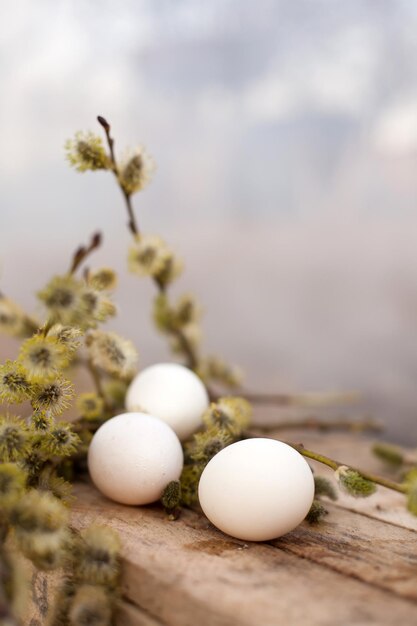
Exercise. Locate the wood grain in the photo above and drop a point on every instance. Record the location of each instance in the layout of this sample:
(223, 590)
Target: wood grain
(352, 569)
(361, 547)
(187, 572)
(129, 614)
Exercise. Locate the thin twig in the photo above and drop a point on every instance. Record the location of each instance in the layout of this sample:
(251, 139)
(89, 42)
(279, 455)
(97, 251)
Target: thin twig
(192, 359)
(321, 458)
(314, 399)
(83, 251)
(132, 220)
(95, 375)
(104, 123)
(315, 423)
(334, 465)
(133, 225)
(186, 346)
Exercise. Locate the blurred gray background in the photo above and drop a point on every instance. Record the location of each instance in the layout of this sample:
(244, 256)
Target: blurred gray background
(285, 134)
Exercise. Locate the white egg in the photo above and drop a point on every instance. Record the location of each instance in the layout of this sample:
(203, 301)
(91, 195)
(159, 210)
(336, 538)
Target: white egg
(256, 489)
(133, 456)
(173, 393)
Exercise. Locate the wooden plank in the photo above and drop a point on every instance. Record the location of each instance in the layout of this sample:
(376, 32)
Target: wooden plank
(361, 547)
(186, 572)
(43, 586)
(353, 568)
(129, 614)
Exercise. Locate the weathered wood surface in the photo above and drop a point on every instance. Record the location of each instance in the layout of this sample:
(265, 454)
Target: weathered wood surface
(353, 568)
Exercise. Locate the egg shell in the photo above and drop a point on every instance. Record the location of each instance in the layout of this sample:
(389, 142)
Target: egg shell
(133, 456)
(173, 393)
(256, 489)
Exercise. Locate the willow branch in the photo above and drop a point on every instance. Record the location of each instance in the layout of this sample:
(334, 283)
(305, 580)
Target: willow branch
(133, 225)
(187, 348)
(82, 252)
(334, 465)
(315, 399)
(190, 354)
(95, 375)
(314, 423)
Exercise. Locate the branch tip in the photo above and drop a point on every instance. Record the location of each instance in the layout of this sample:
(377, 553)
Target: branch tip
(104, 123)
(96, 240)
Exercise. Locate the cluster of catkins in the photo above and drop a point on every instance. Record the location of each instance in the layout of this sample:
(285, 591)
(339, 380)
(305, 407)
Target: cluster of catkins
(40, 453)
(224, 423)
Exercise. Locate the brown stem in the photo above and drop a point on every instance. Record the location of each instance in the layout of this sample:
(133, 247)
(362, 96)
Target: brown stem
(104, 123)
(95, 375)
(314, 423)
(83, 251)
(187, 348)
(318, 399)
(133, 225)
(334, 465)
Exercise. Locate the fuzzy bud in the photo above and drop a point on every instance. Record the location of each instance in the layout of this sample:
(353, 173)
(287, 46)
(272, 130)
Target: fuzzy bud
(15, 386)
(90, 605)
(230, 413)
(393, 455)
(353, 483)
(112, 353)
(96, 556)
(14, 439)
(136, 171)
(90, 405)
(189, 479)
(316, 513)
(171, 496)
(323, 487)
(86, 152)
(13, 320)
(12, 484)
(104, 279)
(411, 483)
